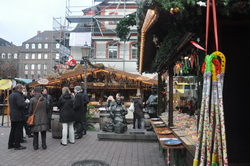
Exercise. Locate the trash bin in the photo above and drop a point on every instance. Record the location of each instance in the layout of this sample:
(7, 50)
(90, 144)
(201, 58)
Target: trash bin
(104, 116)
(56, 126)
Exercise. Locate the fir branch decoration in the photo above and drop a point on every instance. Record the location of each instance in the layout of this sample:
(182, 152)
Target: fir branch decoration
(122, 28)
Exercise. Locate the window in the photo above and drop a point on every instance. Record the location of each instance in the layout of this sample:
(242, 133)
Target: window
(57, 45)
(45, 67)
(26, 67)
(9, 55)
(112, 50)
(112, 22)
(26, 76)
(33, 56)
(27, 46)
(15, 56)
(57, 56)
(27, 56)
(3, 55)
(32, 66)
(39, 46)
(38, 66)
(46, 46)
(45, 56)
(33, 46)
(39, 56)
(133, 51)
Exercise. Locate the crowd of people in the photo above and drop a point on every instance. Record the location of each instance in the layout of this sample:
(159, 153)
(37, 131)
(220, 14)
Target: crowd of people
(72, 109)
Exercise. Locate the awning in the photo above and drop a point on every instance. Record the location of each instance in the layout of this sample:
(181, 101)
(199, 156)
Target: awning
(23, 80)
(5, 84)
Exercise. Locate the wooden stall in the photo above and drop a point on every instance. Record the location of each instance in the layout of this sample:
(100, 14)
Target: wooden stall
(101, 82)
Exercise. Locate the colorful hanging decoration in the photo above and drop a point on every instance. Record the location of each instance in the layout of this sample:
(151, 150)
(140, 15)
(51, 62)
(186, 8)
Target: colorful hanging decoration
(211, 146)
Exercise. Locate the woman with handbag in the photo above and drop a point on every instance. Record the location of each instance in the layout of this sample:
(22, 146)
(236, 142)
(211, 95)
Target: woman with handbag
(39, 106)
(66, 111)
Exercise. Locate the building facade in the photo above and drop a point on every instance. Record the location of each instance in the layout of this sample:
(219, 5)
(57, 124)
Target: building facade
(9, 60)
(99, 23)
(40, 54)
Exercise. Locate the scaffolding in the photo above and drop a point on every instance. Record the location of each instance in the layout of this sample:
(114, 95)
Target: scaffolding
(90, 18)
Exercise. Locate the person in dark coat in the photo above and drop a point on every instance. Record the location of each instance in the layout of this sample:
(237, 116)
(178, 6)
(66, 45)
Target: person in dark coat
(138, 112)
(17, 104)
(50, 105)
(67, 116)
(41, 121)
(26, 114)
(80, 108)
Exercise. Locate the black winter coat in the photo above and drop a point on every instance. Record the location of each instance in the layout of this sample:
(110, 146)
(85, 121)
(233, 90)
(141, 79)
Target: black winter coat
(17, 105)
(66, 111)
(138, 108)
(80, 106)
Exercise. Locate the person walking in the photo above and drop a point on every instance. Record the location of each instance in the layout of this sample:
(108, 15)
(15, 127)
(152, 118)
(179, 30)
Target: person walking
(17, 104)
(41, 121)
(80, 108)
(138, 112)
(50, 105)
(66, 111)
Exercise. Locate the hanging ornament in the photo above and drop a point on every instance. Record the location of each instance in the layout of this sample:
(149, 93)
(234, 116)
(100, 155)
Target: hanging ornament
(176, 10)
(172, 11)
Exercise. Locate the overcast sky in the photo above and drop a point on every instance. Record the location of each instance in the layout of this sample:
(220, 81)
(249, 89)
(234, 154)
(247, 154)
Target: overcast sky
(21, 19)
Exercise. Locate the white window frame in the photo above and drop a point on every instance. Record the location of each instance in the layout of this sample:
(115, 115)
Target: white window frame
(3, 55)
(15, 56)
(9, 55)
(33, 46)
(57, 56)
(111, 48)
(39, 66)
(33, 56)
(46, 46)
(57, 45)
(32, 67)
(27, 46)
(133, 49)
(39, 46)
(27, 56)
(26, 66)
(39, 56)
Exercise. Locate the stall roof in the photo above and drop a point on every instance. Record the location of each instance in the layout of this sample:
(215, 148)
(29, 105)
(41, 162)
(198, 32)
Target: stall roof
(23, 80)
(76, 73)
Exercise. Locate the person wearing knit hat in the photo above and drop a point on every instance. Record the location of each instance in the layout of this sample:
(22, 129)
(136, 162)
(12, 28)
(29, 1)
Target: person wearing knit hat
(78, 88)
(80, 108)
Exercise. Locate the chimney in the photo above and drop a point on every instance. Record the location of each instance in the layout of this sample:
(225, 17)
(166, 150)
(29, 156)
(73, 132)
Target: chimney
(38, 32)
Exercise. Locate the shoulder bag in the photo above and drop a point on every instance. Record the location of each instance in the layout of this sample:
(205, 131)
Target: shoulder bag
(30, 120)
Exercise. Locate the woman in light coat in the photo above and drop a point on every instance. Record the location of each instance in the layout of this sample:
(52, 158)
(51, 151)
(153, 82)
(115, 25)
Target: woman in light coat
(41, 121)
(67, 114)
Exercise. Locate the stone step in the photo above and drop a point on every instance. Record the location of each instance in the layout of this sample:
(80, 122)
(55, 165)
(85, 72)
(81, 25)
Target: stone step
(130, 134)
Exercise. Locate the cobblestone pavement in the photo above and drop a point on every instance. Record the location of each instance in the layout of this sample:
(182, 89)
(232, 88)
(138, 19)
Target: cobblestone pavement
(115, 153)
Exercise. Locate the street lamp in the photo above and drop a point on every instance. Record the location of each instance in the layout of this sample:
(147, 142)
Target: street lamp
(85, 55)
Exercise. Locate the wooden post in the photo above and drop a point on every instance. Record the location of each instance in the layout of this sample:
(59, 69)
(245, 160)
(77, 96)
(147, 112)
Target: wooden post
(170, 114)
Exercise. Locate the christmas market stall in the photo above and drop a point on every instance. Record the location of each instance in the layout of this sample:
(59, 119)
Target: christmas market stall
(199, 64)
(101, 82)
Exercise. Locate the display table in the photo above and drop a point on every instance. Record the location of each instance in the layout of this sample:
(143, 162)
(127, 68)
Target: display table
(162, 137)
(188, 142)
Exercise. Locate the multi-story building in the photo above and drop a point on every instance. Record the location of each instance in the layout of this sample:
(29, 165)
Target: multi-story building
(40, 54)
(9, 59)
(96, 27)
